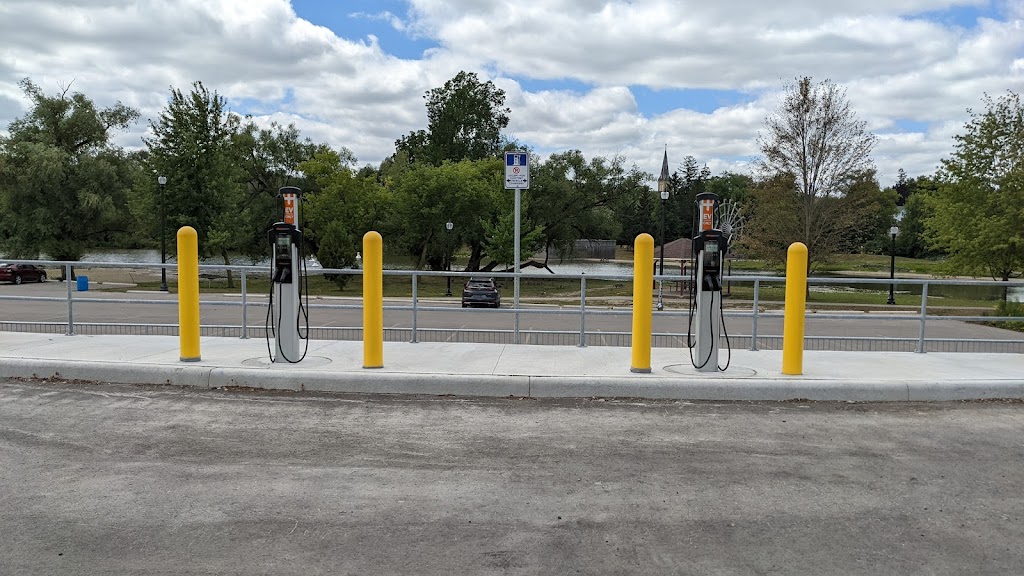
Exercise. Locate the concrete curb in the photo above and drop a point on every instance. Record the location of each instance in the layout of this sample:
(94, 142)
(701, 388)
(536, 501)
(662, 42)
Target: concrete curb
(119, 373)
(631, 386)
(718, 389)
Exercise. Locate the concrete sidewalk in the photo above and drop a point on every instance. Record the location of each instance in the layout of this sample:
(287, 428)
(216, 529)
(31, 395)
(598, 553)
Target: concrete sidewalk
(514, 370)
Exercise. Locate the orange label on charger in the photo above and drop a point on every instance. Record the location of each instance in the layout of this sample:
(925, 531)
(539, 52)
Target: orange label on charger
(289, 209)
(707, 215)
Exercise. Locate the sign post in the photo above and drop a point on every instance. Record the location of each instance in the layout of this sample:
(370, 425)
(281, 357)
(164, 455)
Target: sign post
(517, 177)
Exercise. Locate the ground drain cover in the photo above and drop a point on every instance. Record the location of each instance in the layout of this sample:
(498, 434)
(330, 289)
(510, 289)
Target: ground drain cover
(731, 372)
(307, 362)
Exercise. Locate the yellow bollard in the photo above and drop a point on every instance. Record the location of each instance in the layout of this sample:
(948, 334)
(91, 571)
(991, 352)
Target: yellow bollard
(188, 294)
(643, 277)
(373, 300)
(796, 304)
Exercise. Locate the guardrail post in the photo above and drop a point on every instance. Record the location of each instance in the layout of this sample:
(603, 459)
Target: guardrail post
(188, 294)
(71, 312)
(924, 316)
(643, 278)
(753, 327)
(245, 309)
(583, 312)
(796, 309)
(415, 303)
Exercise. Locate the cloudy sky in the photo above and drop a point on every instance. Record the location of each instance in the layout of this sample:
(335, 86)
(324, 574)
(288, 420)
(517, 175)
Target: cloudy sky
(604, 76)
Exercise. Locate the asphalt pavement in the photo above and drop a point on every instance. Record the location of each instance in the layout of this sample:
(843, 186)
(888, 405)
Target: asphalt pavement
(117, 479)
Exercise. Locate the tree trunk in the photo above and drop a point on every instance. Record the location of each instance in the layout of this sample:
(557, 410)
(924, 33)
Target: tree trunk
(227, 262)
(476, 254)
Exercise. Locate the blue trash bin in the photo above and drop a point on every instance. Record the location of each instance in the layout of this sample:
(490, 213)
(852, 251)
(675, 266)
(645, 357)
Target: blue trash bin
(83, 283)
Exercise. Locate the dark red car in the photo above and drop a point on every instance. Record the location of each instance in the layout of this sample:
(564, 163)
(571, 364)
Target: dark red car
(19, 273)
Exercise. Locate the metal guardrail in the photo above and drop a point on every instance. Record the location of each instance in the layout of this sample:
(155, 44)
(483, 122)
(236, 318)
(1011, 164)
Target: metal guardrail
(752, 341)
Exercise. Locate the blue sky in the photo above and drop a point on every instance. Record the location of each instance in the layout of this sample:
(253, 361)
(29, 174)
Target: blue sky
(608, 77)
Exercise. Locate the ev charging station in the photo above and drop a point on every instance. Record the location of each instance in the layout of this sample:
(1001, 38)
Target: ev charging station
(286, 309)
(706, 321)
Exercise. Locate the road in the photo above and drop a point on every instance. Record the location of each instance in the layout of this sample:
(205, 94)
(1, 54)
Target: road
(102, 479)
(544, 318)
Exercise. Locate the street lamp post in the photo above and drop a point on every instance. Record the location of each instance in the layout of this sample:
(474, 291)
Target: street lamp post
(448, 261)
(162, 180)
(892, 263)
(663, 190)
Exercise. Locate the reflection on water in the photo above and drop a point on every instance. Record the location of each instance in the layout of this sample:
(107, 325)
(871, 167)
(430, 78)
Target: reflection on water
(1015, 294)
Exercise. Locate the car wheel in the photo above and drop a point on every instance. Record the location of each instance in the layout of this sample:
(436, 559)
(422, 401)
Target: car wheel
(17, 279)
(42, 277)
(464, 304)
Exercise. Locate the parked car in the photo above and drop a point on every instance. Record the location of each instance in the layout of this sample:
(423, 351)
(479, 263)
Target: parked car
(19, 273)
(481, 292)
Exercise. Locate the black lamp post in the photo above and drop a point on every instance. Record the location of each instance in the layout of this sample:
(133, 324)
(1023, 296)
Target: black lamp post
(892, 263)
(663, 190)
(448, 261)
(162, 180)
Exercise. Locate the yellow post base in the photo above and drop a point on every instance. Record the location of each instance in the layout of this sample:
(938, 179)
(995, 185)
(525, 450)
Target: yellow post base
(643, 278)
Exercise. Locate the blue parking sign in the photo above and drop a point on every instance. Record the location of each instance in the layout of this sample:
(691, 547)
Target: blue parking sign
(517, 170)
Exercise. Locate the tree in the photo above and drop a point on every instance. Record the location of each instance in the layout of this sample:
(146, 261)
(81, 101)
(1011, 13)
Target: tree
(464, 122)
(426, 197)
(346, 206)
(62, 186)
(269, 159)
(572, 198)
(815, 139)
(684, 185)
(903, 186)
(877, 207)
(192, 145)
(912, 241)
(979, 206)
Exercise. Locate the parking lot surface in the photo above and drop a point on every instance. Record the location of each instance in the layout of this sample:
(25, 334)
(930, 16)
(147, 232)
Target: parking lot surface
(118, 479)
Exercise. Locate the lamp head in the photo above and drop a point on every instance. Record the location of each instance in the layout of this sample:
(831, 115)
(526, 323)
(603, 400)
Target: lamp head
(161, 180)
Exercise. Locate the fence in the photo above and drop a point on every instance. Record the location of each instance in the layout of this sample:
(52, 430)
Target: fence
(578, 314)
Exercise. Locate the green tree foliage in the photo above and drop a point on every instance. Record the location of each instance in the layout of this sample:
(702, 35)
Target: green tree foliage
(776, 210)
(877, 207)
(912, 241)
(573, 198)
(345, 207)
(815, 142)
(979, 206)
(63, 187)
(730, 186)
(500, 236)
(464, 122)
(269, 159)
(426, 197)
(684, 185)
(193, 146)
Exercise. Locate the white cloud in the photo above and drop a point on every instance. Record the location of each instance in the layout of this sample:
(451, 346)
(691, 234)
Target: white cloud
(347, 90)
